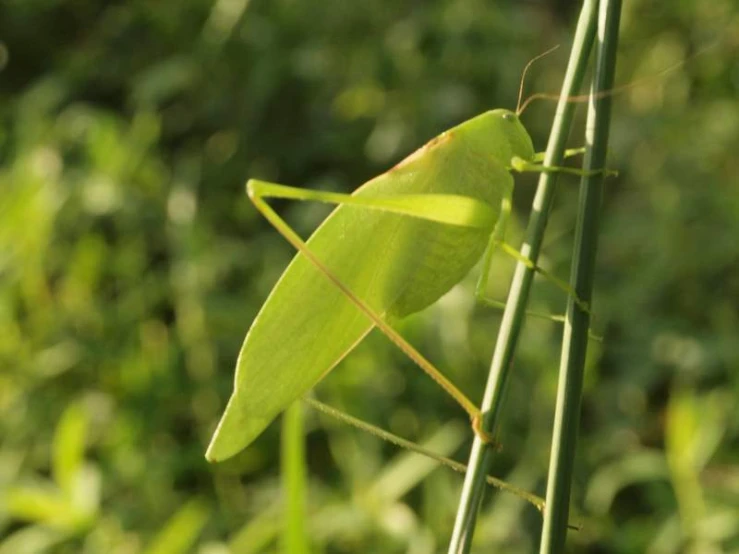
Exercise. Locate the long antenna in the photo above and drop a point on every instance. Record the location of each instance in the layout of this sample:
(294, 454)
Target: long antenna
(602, 94)
(525, 70)
(613, 91)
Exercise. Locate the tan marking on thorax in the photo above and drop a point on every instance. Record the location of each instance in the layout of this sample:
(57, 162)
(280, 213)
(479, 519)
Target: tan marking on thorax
(436, 141)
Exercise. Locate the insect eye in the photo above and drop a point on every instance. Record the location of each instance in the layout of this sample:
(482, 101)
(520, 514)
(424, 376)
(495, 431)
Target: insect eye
(508, 116)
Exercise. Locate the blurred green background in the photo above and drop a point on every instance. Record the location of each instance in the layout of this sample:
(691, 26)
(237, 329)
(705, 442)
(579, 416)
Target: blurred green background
(131, 265)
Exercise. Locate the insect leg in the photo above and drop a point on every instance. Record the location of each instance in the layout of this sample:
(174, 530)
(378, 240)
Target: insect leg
(536, 501)
(539, 156)
(258, 190)
(451, 209)
(563, 285)
(497, 240)
(521, 165)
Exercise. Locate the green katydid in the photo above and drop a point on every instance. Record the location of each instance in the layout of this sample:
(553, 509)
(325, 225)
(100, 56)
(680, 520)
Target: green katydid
(426, 222)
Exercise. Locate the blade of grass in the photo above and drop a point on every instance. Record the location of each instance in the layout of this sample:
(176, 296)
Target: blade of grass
(516, 305)
(294, 539)
(575, 340)
(181, 531)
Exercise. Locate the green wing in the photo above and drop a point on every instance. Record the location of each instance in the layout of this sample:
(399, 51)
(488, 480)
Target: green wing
(397, 264)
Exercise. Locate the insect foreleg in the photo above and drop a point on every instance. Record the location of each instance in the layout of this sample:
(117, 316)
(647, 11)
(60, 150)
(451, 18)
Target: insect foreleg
(521, 165)
(539, 156)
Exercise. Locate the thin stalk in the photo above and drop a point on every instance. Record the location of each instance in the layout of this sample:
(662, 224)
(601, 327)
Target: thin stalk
(575, 340)
(513, 315)
(294, 481)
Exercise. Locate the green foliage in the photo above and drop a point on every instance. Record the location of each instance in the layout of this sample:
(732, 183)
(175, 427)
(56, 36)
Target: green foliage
(131, 265)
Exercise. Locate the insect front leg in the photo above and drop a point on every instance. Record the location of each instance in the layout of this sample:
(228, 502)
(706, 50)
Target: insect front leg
(570, 152)
(522, 166)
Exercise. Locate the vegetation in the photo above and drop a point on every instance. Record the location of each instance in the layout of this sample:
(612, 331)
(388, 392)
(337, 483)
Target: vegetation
(132, 263)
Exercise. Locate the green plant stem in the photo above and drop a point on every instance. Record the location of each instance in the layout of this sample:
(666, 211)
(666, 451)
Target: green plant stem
(513, 315)
(294, 481)
(574, 344)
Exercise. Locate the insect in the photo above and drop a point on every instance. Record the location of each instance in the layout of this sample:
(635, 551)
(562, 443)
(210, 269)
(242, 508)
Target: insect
(426, 222)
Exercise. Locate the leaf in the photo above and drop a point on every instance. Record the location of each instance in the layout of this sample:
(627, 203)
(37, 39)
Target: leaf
(181, 531)
(69, 447)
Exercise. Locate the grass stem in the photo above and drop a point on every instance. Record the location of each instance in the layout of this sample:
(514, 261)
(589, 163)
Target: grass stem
(514, 313)
(575, 339)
